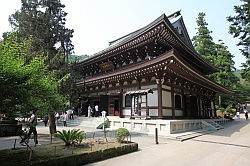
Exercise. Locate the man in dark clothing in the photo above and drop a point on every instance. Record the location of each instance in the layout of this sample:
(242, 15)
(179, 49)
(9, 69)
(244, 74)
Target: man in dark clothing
(45, 120)
(32, 129)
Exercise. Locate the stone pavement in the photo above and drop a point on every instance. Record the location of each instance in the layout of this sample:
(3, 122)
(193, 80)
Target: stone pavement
(87, 125)
(229, 146)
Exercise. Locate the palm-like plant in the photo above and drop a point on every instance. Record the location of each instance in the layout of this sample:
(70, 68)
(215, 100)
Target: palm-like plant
(70, 137)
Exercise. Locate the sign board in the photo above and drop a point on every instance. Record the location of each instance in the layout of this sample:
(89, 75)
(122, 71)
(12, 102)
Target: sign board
(107, 66)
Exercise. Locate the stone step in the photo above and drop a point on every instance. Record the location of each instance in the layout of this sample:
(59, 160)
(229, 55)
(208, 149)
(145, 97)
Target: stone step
(214, 124)
(189, 135)
(85, 121)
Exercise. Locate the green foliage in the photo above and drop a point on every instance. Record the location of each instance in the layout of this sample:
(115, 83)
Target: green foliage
(70, 137)
(202, 41)
(228, 110)
(218, 55)
(240, 28)
(44, 20)
(25, 84)
(224, 61)
(106, 123)
(121, 134)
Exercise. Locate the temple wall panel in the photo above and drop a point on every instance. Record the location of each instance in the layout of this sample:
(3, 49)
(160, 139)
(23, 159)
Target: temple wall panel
(179, 113)
(143, 98)
(166, 112)
(126, 112)
(166, 99)
(153, 112)
(153, 98)
(143, 112)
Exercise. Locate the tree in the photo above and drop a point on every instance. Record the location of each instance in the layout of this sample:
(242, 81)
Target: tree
(202, 41)
(25, 84)
(217, 54)
(224, 61)
(44, 20)
(240, 28)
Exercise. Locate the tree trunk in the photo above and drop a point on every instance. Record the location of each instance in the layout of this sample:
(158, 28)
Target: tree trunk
(52, 124)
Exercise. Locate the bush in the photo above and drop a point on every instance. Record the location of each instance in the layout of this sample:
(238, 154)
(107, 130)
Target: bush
(70, 137)
(121, 134)
(106, 123)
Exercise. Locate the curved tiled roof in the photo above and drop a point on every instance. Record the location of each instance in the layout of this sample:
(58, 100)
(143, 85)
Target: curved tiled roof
(168, 33)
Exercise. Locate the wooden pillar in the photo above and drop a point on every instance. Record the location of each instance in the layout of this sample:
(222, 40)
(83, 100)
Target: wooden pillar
(215, 113)
(120, 103)
(106, 88)
(203, 109)
(139, 98)
(147, 110)
(210, 109)
(173, 102)
(159, 88)
(184, 98)
(199, 106)
(131, 98)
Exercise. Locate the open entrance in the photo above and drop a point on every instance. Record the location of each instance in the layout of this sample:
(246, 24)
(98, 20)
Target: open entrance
(194, 106)
(116, 108)
(191, 106)
(135, 98)
(104, 103)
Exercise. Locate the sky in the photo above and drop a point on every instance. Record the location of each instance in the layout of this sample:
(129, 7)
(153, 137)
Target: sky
(97, 22)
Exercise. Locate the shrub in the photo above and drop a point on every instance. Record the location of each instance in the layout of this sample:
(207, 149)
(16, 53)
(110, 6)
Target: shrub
(106, 123)
(70, 137)
(121, 134)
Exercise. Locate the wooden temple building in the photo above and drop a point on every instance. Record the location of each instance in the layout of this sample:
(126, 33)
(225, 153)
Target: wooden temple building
(153, 72)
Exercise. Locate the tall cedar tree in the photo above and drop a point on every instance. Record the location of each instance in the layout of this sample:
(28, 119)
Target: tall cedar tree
(44, 20)
(202, 41)
(240, 28)
(217, 54)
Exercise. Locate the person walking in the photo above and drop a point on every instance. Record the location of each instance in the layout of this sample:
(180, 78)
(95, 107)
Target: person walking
(57, 117)
(45, 120)
(238, 114)
(246, 113)
(96, 111)
(65, 118)
(32, 129)
(89, 111)
(71, 113)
